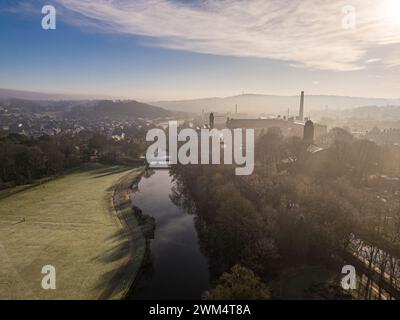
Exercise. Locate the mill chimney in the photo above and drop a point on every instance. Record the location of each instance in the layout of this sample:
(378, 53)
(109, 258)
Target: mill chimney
(301, 112)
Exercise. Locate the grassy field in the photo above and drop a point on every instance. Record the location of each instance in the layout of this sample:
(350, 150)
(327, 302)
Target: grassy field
(69, 223)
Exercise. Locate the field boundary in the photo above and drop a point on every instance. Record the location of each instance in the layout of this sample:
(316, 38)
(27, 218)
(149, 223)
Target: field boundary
(123, 212)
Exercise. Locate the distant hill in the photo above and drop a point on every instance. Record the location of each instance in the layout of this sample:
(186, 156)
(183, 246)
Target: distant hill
(30, 95)
(118, 110)
(36, 106)
(373, 112)
(91, 109)
(274, 104)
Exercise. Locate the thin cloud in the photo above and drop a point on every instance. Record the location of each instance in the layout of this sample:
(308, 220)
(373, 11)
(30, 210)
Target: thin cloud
(305, 33)
(373, 60)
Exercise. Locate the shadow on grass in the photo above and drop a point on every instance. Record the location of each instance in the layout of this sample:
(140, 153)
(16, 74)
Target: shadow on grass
(97, 169)
(129, 243)
(113, 282)
(110, 171)
(129, 249)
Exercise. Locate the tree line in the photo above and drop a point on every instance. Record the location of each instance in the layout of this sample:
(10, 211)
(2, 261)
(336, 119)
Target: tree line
(297, 209)
(24, 159)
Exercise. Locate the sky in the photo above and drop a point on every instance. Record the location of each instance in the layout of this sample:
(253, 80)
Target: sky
(179, 49)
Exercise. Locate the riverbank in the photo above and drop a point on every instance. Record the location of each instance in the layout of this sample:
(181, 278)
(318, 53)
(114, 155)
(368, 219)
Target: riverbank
(124, 279)
(70, 223)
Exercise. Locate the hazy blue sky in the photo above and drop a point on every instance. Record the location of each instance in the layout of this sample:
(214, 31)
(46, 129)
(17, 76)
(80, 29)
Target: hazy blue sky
(170, 49)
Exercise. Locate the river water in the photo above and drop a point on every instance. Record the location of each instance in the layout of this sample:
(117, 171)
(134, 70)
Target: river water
(178, 269)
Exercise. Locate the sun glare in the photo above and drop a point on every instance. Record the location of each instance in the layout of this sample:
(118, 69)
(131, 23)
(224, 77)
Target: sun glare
(391, 10)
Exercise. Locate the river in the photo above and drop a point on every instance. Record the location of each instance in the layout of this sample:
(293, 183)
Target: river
(178, 269)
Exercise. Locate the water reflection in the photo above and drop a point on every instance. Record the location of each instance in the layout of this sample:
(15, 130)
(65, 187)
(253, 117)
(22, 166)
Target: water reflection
(177, 270)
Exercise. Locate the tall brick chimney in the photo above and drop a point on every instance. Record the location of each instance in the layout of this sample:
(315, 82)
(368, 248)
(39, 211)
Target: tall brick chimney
(301, 112)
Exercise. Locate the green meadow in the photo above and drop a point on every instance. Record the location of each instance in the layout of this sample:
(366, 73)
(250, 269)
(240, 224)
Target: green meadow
(69, 223)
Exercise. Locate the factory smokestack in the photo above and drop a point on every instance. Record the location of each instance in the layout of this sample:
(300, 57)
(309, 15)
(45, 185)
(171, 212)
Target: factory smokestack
(211, 120)
(301, 112)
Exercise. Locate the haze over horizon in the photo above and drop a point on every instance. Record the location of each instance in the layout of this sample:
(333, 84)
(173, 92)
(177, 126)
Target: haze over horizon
(166, 50)
(48, 95)
(250, 104)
